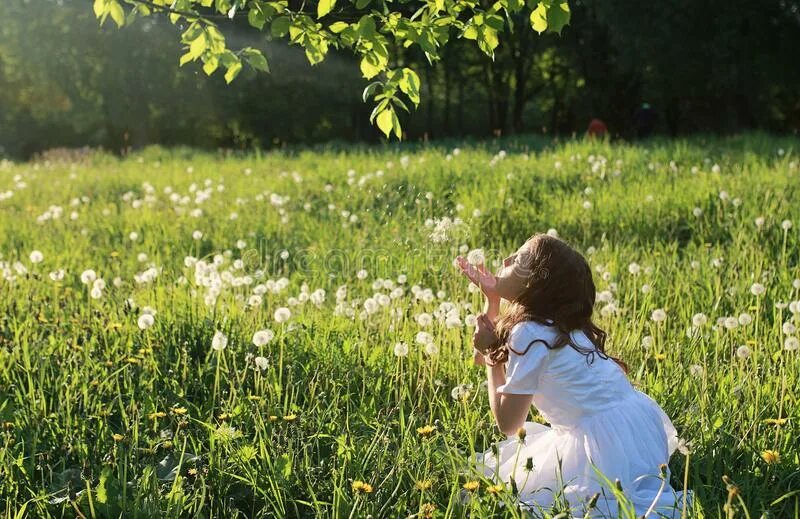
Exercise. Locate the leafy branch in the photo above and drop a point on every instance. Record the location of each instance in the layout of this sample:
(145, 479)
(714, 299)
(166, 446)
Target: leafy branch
(369, 28)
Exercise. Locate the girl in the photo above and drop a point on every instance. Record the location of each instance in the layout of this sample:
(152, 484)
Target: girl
(543, 349)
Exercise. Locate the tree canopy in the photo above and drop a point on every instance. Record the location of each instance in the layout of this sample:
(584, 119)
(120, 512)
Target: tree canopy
(374, 30)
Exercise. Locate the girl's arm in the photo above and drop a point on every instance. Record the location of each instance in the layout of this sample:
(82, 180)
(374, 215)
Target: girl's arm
(510, 411)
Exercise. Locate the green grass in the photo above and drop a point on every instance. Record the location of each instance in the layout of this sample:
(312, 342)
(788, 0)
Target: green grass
(100, 418)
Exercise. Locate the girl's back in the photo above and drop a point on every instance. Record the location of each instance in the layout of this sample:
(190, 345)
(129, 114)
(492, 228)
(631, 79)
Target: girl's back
(567, 385)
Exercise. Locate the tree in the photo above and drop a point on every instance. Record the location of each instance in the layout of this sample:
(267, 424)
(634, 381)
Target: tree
(372, 29)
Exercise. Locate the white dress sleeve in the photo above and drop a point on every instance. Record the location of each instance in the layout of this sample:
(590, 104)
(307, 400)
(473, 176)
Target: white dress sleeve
(524, 368)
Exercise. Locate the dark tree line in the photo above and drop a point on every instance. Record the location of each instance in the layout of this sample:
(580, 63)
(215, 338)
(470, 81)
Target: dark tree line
(704, 66)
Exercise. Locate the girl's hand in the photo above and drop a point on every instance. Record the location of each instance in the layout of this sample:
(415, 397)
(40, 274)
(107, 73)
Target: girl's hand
(482, 277)
(484, 337)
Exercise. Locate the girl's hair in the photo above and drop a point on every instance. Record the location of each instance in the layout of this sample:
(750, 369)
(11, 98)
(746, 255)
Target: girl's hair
(559, 292)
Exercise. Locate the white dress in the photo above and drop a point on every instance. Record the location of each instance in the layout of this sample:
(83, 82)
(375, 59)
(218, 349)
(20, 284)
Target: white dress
(596, 417)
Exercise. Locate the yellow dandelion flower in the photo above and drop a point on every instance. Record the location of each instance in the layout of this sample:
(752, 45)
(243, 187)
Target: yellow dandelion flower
(114, 254)
(472, 486)
(426, 430)
(660, 356)
(167, 444)
(223, 416)
(290, 417)
(423, 484)
(254, 398)
(133, 360)
(426, 510)
(192, 471)
(494, 489)
(179, 410)
(775, 421)
(272, 418)
(117, 437)
(770, 456)
(156, 415)
(360, 487)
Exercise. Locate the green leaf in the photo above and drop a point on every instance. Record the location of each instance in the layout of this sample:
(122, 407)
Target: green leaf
(539, 18)
(398, 131)
(211, 64)
(385, 121)
(284, 465)
(366, 27)
(101, 494)
(117, 13)
(471, 33)
(280, 26)
(369, 90)
(324, 7)
(361, 4)
(256, 18)
(338, 27)
(558, 16)
(233, 71)
(369, 66)
(409, 85)
(256, 59)
(198, 46)
(186, 58)
(99, 8)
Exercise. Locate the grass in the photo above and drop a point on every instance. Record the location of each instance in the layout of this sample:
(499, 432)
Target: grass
(101, 418)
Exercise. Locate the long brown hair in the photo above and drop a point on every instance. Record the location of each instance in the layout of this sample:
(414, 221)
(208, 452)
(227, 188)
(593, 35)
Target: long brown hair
(559, 292)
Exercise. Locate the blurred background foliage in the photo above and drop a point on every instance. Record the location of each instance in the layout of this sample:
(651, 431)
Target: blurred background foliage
(704, 66)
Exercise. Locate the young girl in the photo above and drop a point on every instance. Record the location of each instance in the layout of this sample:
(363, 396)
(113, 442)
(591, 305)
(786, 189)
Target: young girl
(543, 349)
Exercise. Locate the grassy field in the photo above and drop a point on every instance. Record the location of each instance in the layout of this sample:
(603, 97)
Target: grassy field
(188, 334)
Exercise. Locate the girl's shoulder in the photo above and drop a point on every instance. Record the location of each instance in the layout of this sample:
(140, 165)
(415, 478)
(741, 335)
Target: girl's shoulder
(527, 334)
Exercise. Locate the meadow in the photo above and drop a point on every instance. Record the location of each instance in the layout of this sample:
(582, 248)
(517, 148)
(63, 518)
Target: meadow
(283, 334)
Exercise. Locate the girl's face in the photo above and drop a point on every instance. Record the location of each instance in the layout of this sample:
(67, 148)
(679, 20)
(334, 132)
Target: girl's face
(513, 275)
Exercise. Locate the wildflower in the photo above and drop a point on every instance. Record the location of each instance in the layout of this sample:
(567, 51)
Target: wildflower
(684, 447)
(362, 274)
(118, 437)
(472, 486)
(731, 322)
(775, 421)
(759, 222)
(88, 276)
(179, 411)
(743, 351)
(261, 363)
(57, 275)
(745, 319)
(647, 342)
(494, 489)
(219, 342)
(634, 268)
(699, 320)
(424, 338)
(697, 212)
(757, 289)
(401, 349)
(476, 257)
(426, 430)
(282, 315)
(423, 484)
(156, 415)
(659, 315)
(426, 510)
(770, 456)
(290, 417)
(36, 256)
(360, 487)
(791, 344)
(431, 349)
(263, 337)
(786, 225)
(145, 321)
(696, 370)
